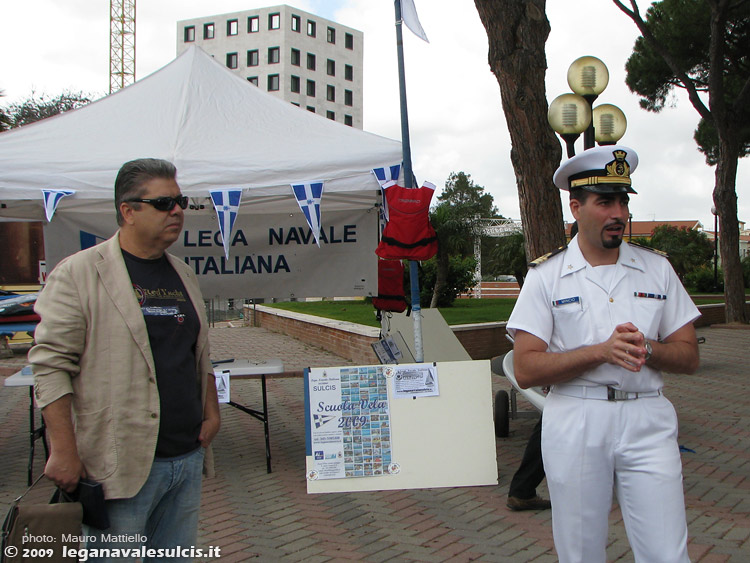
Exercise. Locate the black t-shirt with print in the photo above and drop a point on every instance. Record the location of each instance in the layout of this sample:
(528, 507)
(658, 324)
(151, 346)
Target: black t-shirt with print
(173, 326)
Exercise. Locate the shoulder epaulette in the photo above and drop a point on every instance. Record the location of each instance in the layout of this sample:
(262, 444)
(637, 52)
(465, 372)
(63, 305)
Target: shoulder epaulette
(541, 259)
(654, 250)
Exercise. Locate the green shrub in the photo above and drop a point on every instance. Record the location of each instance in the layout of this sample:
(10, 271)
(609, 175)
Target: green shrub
(460, 279)
(702, 280)
(746, 270)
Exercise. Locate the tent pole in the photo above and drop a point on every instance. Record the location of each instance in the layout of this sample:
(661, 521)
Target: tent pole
(416, 308)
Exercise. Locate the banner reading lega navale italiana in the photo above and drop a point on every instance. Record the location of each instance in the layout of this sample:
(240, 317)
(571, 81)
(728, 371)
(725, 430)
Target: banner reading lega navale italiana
(271, 255)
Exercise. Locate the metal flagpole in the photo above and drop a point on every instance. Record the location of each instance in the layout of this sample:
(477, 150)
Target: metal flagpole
(416, 308)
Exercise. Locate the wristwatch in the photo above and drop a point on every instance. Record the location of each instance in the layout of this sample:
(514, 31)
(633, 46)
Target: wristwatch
(649, 350)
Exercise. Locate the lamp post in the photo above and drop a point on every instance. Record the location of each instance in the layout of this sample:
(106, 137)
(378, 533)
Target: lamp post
(630, 227)
(573, 114)
(716, 248)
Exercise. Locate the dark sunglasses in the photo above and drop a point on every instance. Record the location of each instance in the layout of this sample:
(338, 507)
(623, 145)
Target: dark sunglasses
(164, 203)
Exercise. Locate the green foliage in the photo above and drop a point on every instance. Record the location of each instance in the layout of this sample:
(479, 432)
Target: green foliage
(746, 270)
(36, 108)
(683, 28)
(509, 257)
(460, 278)
(642, 241)
(461, 191)
(456, 228)
(688, 249)
(702, 280)
(5, 120)
(707, 139)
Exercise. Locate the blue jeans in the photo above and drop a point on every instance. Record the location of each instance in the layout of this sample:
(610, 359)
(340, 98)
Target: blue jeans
(163, 515)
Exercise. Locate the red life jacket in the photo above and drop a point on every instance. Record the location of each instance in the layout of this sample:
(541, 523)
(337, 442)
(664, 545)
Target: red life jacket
(408, 234)
(391, 295)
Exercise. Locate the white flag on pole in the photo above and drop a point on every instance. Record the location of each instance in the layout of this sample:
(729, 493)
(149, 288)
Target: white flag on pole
(411, 19)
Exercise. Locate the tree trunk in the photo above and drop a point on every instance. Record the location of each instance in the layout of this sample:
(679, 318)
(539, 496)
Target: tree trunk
(442, 264)
(517, 31)
(725, 193)
(725, 201)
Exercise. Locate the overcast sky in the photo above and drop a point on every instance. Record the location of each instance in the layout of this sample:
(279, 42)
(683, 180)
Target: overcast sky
(456, 118)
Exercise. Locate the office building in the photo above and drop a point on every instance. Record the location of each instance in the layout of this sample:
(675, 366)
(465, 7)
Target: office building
(312, 62)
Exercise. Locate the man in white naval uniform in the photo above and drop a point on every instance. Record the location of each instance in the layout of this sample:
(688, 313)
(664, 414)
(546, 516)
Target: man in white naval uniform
(599, 321)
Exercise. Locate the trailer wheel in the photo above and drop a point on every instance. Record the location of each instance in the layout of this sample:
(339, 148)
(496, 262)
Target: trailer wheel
(502, 414)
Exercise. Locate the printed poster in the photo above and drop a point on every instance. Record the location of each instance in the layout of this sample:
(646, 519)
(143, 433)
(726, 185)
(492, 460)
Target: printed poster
(350, 430)
(414, 380)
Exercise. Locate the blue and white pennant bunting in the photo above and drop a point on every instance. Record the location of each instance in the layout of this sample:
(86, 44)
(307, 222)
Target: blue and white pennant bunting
(51, 199)
(383, 176)
(227, 205)
(308, 197)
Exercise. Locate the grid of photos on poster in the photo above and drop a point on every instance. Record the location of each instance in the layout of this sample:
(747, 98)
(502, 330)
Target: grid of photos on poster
(367, 436)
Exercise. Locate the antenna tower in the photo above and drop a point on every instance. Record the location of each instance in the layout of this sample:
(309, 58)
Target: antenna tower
(121, 44)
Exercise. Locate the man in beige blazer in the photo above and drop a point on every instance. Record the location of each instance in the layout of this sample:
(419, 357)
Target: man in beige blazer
(122, 369)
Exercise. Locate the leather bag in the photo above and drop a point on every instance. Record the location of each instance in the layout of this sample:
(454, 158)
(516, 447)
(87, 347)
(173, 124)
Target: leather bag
(36, 532)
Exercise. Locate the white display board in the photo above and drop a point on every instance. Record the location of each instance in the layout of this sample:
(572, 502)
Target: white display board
(446, 440)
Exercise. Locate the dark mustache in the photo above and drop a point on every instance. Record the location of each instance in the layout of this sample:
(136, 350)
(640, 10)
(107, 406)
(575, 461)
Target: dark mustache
(616, 222)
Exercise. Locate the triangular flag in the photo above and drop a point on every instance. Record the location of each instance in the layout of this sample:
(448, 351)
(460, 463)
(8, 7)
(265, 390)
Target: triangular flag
(383, 176)
(308, 197)
(51, 199)
(227, 205)
(411, 19)
(387, 174)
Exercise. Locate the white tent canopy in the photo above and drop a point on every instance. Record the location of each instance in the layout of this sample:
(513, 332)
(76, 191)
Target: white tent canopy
(219, 130)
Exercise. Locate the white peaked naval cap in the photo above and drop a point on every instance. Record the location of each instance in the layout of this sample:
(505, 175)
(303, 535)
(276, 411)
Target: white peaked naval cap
(602, 170)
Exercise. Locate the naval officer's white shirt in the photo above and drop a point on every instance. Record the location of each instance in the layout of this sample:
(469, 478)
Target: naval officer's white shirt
(566, 303)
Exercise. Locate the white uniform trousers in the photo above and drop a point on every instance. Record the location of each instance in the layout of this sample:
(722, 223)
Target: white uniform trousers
(590, 446)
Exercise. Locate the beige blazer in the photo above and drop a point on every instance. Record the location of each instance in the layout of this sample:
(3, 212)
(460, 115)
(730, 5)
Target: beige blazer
(92, 342)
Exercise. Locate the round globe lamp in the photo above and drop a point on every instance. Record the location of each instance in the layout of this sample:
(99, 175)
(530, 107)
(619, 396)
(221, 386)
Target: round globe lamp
(610, 124)
(569, 115)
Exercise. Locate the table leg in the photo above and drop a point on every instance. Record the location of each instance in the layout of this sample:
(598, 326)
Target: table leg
(265, 423)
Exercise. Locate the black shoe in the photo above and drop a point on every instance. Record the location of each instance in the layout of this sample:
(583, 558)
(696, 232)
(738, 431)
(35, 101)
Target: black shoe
(535, 503)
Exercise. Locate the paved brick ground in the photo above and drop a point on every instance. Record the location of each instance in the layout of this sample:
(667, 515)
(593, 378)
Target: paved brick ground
(250, 514)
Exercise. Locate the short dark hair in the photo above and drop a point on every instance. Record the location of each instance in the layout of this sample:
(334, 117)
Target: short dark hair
(134, 174)
(580, 195)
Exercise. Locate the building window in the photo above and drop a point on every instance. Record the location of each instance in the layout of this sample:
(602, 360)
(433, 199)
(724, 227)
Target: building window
(274, 21)
(311, 27)
(331, 35)
(331, 93)
(331, 67)
(252, 80)
(348, 120)
(252, 58)
(348, 72)
(311, 109)
(331, 115)
(295, 104)
(348, 98)
(231, 60)
(294, 84)
(253, 24)
(208, 31)
(349, 41)
(311, 88)
(232, 27)
(273, 82)
(296, 23)
(295, 57)
(189, 34)
(273, 55)
(310, 61)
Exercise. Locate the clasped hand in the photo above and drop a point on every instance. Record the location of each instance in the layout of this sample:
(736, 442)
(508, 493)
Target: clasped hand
(626, 347)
